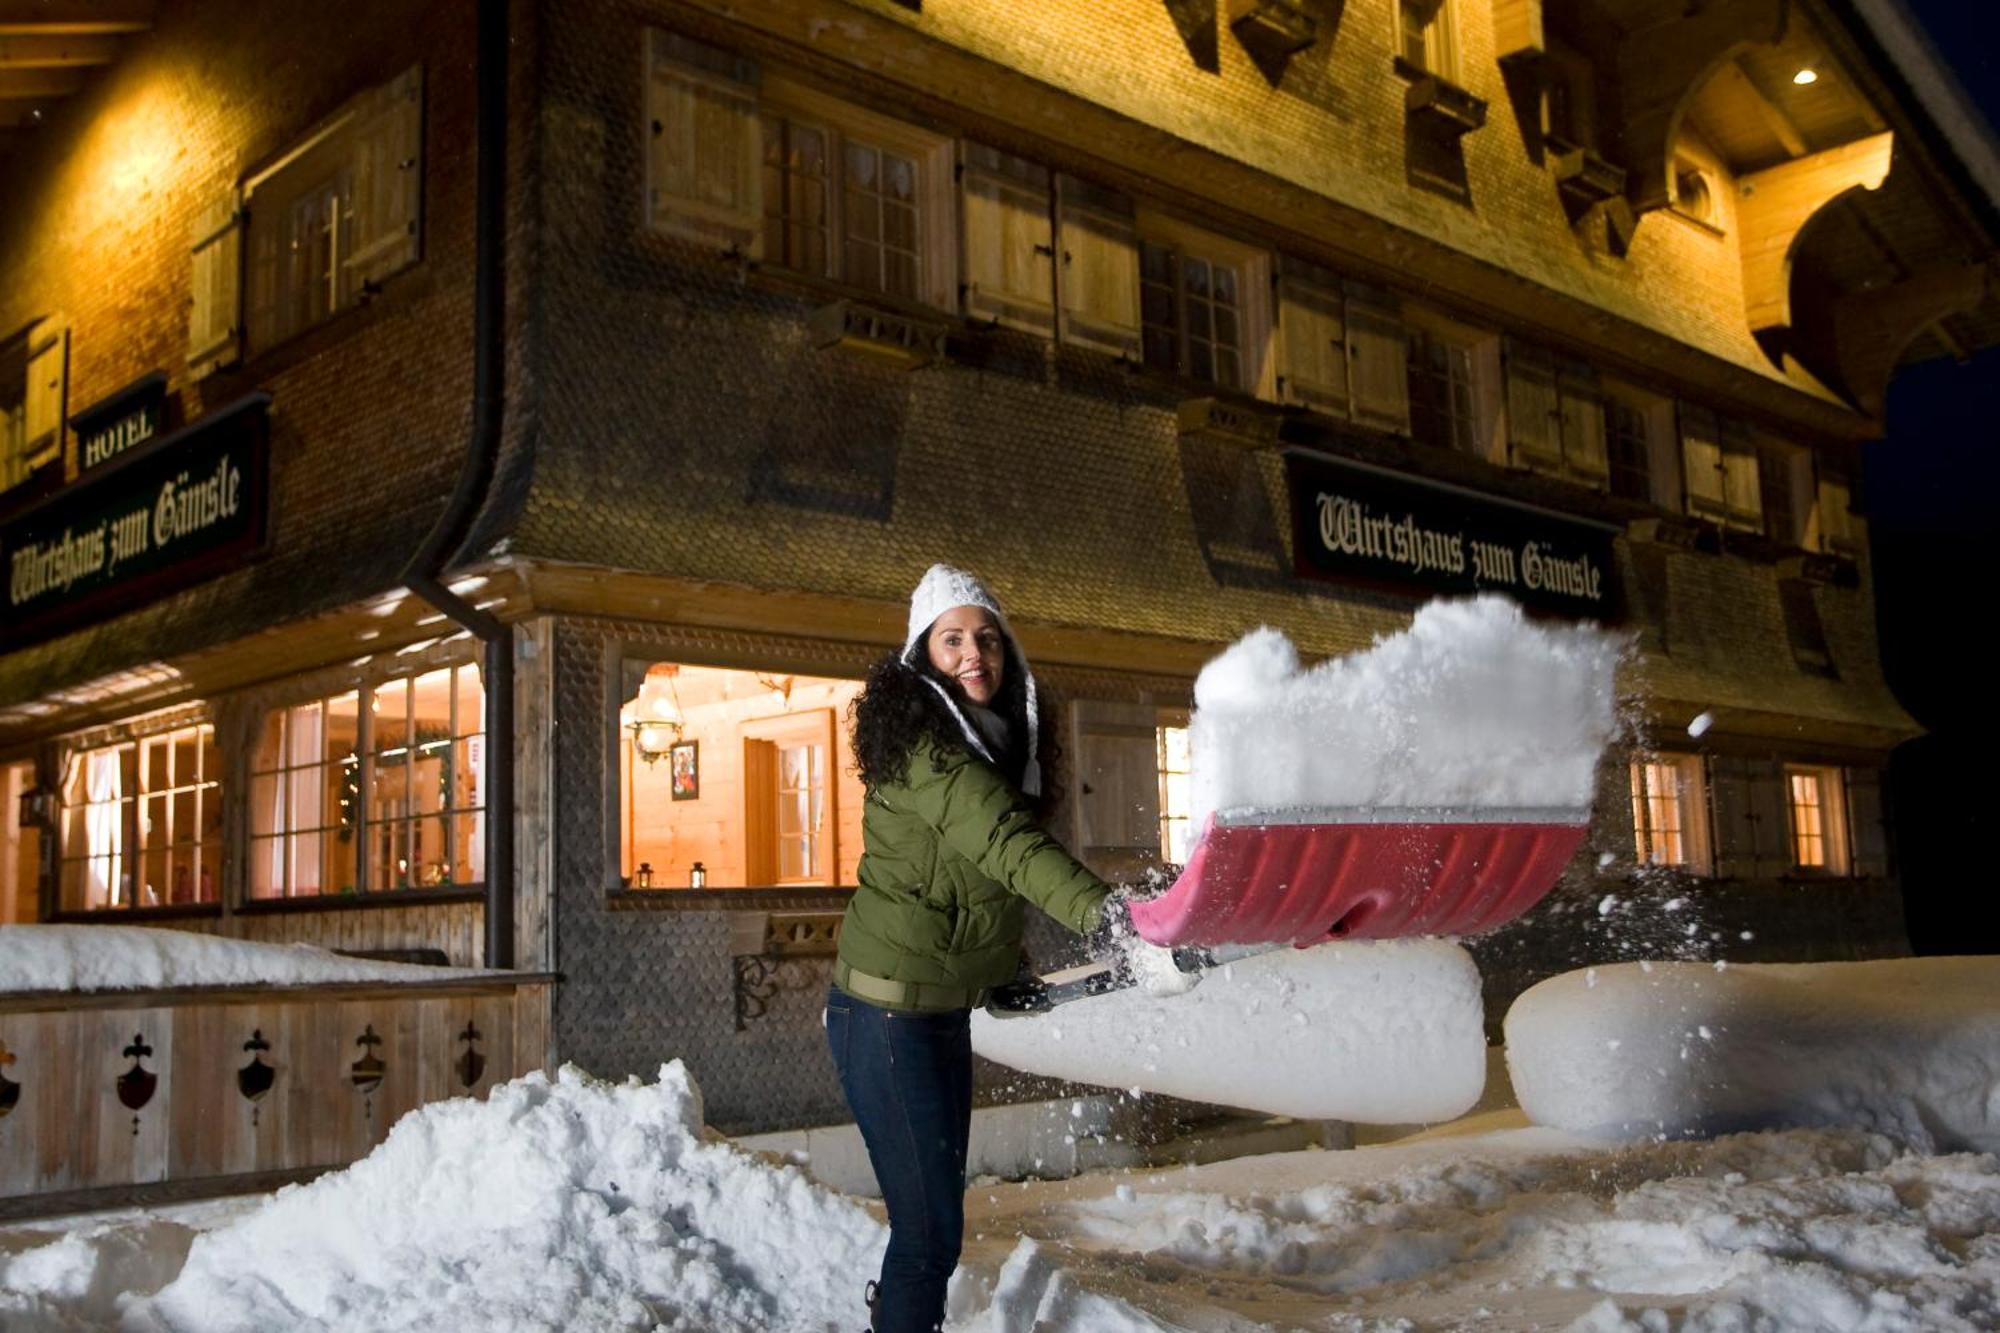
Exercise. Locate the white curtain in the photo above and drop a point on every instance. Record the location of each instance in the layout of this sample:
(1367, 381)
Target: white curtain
(104, 827)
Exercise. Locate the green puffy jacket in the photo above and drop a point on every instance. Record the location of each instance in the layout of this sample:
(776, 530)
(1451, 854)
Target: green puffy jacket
(947, 857)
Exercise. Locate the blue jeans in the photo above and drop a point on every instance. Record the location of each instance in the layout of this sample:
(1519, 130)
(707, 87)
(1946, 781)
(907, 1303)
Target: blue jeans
(908, 1079)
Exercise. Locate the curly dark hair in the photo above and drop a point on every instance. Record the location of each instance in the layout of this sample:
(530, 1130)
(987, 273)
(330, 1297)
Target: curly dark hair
(897, 711)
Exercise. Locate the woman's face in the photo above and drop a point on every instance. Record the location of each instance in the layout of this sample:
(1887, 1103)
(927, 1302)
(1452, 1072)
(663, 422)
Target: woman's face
(968, 649)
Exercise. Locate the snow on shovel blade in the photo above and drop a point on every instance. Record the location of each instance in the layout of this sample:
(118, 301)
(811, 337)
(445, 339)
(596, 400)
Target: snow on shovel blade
(1300, 876)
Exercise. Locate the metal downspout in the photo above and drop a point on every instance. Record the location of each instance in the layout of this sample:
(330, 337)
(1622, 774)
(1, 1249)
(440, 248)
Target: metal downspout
(423, 573)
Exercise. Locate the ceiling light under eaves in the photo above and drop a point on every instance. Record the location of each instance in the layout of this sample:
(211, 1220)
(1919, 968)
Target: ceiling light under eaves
(1806, 76)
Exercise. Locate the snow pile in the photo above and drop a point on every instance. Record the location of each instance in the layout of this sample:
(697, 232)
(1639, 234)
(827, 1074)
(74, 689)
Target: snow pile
(1382, 1032)
(1473, 707)
(81, 958)
(576, 1204)
(1806, 1230)
(1909, 1047)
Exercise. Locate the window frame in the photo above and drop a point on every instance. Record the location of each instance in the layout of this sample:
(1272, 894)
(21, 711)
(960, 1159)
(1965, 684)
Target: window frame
(352, 162)
(1690, 800)
(1253, 269)
(1435, 39)
(135, 845)
(934, 158)
(34, 399)
(1662, 443)
(1837, 857)
(1174, 720)
(275, 841)
(1484, 387)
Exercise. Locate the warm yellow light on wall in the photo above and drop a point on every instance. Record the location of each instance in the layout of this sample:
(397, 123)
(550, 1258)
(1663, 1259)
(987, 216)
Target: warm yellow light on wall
(1805, 76)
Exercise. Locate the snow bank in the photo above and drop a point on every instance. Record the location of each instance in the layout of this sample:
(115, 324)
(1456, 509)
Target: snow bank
(1909, 1047)
(1474, 706)
(1381, 1032)
(577, 1204)
(66, 958)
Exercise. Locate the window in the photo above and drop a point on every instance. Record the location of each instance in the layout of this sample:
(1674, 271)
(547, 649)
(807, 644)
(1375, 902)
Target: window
(1719, 458)
(1424, 37)
(1555, 416)
(1694, 193)
(372, 790)
(1177, 831)
(1669, 812)
(34, 377)
(1443, 400)
(1831, 526)
(746, 774)
(1785, 482)
(20, 848)
(142, 823)
(1630, 450)
(802, 181)
(326, 224)
(1817, 822)
(1201, 305)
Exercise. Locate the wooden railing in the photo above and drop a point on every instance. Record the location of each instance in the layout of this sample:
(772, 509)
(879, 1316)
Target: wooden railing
(131, 1096)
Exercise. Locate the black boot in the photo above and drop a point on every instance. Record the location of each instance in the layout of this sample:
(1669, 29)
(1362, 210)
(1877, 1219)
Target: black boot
(868, 1295)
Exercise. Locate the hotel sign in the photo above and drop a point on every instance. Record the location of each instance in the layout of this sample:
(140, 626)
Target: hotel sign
(1353, 523)
(165, 515)
(125, 420)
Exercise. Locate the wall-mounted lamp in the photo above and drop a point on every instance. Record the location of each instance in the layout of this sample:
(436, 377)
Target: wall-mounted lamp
(780, 688)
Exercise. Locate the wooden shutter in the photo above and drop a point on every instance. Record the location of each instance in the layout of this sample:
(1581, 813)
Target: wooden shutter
(1117, 784)
(1098, 243)
(1582, 408)
(1868, 836)
(760, 812)
(47, 388)
(1752, 827)
(1534, 408)
(1742, 505)
(1312, 339)
(1378, 359)
(1701, 460)
(387, 164)
(1832, 509)
(214, 322)
(704, 157)
(1009, 252)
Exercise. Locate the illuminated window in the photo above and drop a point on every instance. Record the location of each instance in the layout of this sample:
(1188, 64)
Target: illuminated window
(1176, 795)
(142, 823)
(1817, 821)
(20, 847)
(747, 774)
(34, 376)
(1668, 813)
(372, 790)
(1424, 36)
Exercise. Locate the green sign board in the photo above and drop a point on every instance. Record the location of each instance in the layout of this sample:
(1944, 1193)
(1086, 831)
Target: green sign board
(160, 517)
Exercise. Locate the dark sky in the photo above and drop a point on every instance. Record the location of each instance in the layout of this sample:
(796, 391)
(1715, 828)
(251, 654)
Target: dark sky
(1938, 471)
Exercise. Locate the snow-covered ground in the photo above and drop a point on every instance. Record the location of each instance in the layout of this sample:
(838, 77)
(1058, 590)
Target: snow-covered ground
(582, 1205)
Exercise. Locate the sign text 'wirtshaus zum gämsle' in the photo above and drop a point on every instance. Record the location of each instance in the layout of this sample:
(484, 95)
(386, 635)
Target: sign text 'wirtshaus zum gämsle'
(165, 517)
(1355, 523)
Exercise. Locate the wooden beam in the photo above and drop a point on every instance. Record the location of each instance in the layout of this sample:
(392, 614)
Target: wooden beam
(74, 18)
(1517, 29)
(1733, 75)
(56, 52)
(1873, 328)
(41, 82)
(1662, 67)
(1775, 206)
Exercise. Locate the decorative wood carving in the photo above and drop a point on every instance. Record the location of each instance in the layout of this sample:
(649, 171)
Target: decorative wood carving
(1872, 328)
(1272, 31)
(884, 334)
(1661, 67)
(1248, 425)
(1775, 206)
(1443, 107)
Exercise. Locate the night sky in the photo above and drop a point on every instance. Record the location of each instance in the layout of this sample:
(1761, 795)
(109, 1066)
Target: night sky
(1928, 492)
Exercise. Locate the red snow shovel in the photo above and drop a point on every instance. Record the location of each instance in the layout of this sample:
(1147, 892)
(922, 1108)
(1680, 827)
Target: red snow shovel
(1260, 880)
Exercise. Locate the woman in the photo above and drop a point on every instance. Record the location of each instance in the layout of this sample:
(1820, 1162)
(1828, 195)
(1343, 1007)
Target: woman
(945, 736)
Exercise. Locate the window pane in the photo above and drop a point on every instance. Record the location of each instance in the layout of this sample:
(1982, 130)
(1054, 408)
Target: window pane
(266, 873)
(391, 705)
(208, 875)
(468, 838)
(155, 761)
(470, 717)
(468, 778)
(304, 849)
(429, 863)
(306, 798)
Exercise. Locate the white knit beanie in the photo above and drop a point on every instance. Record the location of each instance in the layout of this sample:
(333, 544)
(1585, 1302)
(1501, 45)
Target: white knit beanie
(941, 589)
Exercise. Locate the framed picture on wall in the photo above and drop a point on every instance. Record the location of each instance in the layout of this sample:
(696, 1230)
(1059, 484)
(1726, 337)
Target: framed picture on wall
(685, 758)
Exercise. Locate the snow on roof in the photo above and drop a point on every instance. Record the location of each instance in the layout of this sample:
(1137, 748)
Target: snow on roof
(93, 957)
